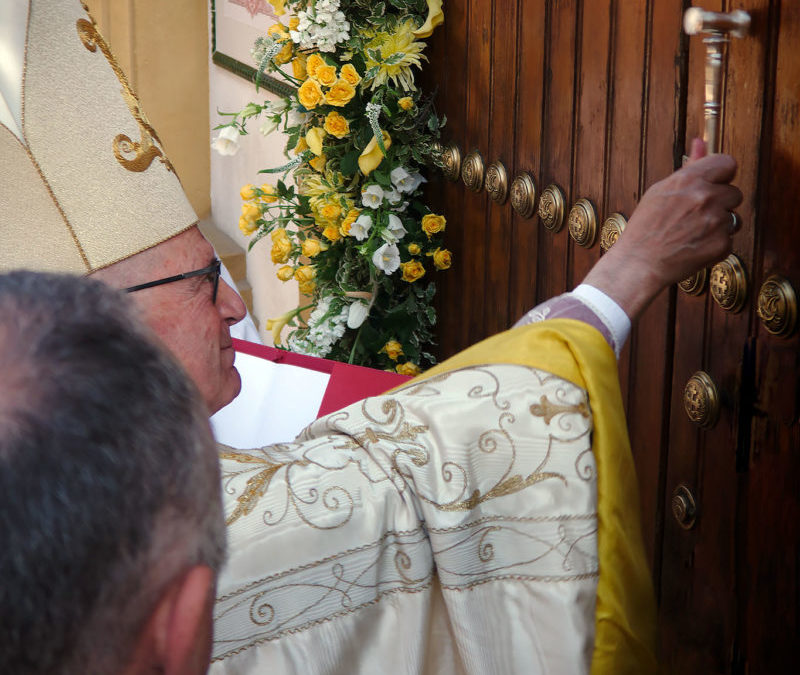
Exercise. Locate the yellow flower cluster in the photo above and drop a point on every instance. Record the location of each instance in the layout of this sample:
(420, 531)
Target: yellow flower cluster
(281, 246)
(278, 32)
(392, 349)
(408, 368)
(251, 209)
(324, 85)
(305, 279)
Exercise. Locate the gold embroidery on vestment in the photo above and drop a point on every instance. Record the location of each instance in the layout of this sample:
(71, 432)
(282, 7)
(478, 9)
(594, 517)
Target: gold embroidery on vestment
(144, 151)
(548, 410)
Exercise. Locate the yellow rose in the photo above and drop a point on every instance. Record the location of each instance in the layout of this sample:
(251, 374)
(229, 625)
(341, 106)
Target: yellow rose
(280, 251)
(251, 211)
(305, 279)
(408, 368)
(285, 54)
(412, 270)
(314, 61)
(294, 22)
(278, 31)
(311, 247)
(318, 163)
(336, 125)
(431, 224)
(414, 249)
(406, 103)
(348, 221)
(278, 6)
(393, 349)
(372, 156)
(301, 145)
(350, 74)
(330, 211)
(309, 94)
(247, 192)
(442, 259)
(268, 195)
(299, 67)
(340, 93)
(325, 75)
(247, 226)
(281, 246)
(285, 273)
(331, 232)
(435, 18)
(314, 138)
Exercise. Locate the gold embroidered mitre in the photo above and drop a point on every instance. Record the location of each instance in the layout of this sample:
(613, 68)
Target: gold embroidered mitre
(84, 180)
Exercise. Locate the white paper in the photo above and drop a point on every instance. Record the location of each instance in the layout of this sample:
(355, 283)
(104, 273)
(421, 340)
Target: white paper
(276, 402)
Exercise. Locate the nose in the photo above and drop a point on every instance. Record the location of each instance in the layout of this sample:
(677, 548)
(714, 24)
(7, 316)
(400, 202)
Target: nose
(229, 305)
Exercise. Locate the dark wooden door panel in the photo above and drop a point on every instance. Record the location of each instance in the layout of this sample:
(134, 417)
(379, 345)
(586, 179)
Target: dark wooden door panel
(601, 97)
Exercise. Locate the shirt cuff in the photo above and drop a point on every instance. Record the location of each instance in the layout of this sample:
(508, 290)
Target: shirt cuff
(608, 311)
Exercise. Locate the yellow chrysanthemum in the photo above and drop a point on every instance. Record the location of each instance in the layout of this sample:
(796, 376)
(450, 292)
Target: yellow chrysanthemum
(401, 45)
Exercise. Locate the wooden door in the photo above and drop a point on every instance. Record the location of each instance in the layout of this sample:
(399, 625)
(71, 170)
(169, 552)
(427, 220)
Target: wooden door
(600, 98)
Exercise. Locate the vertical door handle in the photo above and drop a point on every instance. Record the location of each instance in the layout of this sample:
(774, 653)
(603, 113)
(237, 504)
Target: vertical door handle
(717, 26)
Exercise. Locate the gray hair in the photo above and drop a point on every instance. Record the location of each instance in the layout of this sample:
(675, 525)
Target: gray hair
(109, 480)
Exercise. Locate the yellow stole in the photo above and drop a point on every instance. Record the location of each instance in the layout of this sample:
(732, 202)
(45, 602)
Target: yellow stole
(625, 624)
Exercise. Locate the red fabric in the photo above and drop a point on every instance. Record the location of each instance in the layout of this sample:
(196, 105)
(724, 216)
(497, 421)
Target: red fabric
(348, 383)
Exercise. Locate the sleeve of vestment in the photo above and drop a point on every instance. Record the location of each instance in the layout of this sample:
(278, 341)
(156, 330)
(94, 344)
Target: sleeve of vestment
(454, 525)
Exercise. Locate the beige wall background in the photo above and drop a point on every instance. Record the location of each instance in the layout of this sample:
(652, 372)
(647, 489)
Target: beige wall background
(164, 47)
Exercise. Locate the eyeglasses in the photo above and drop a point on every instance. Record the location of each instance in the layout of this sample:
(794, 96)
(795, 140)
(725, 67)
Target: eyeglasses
(212, 272)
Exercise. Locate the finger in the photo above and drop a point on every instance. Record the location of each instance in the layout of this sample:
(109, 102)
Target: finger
(716, 168)
(697, 150)
(728, 197)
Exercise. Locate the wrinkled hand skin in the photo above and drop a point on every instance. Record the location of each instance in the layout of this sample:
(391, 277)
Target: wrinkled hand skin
(681, 225)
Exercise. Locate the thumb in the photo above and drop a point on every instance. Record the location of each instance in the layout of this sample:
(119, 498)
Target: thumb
(698, 150)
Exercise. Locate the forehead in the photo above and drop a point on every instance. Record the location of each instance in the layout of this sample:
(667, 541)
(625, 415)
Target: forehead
(185, 252)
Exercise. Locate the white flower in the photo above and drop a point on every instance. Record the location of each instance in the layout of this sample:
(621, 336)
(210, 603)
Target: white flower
(357, 314)
(399, 177)
(387, 258)
(394, 231)
(372, 196)
(416, 180)
(321, 26)
(296, 118)
(278, 107)
(227, 143)
(360, 229)
(268, 126)
(393, 196)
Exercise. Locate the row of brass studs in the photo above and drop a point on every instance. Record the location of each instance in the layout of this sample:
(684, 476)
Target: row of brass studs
(728, 283)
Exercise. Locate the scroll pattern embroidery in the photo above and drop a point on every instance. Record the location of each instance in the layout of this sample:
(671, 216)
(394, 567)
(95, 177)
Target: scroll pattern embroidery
(381, 456)
(300, 598)
(133, 155)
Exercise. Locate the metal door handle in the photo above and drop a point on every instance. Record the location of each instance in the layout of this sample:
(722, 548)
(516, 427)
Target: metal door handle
(718, 26)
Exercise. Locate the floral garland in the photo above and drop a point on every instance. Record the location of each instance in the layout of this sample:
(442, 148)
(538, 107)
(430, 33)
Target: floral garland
(352, 230)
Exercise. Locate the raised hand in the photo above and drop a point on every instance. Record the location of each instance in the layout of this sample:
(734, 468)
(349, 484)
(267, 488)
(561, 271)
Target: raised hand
(681, 224)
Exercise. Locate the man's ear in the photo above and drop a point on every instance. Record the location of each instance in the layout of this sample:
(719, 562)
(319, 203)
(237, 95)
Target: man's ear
(181, 623)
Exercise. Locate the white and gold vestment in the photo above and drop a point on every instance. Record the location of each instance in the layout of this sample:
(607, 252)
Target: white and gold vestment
(456, 525)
